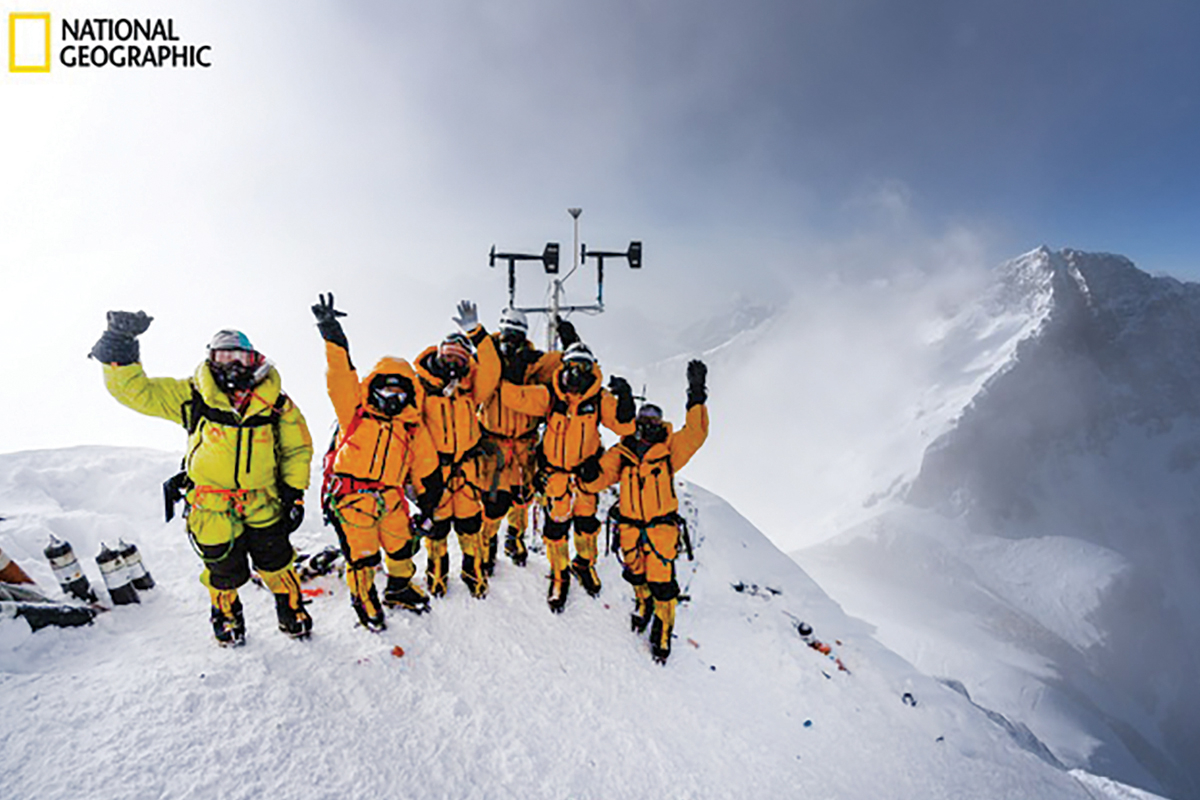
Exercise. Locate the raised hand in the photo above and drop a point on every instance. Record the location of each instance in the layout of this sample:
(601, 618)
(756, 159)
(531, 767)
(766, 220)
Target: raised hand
(129, 323)
(324, 310)
(566, 333)
(620, 390)
(468, 316)
(118, 344)
(697, 374)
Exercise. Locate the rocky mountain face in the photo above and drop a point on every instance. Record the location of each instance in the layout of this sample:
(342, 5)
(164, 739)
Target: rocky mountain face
(1091, 431)
(1114, 347)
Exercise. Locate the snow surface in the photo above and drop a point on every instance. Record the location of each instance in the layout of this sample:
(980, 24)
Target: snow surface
(492, 698)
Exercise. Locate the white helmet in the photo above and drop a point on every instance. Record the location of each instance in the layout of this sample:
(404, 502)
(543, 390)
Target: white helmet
(578, 353)
(513, 320)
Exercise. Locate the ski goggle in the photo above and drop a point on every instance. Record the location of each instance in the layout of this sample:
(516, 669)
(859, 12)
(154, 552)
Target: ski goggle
(247, 358)
(650, 415)
(649, 424)
(575, 374)
(392, 392)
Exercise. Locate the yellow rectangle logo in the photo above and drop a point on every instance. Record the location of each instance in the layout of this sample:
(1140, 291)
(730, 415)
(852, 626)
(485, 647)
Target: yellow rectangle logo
(29, 42)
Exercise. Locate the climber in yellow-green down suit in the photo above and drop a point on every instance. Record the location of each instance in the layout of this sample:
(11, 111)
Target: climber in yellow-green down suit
(247, 464)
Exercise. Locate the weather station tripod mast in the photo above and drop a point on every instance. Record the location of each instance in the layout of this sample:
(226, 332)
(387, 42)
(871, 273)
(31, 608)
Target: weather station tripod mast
(549, 258)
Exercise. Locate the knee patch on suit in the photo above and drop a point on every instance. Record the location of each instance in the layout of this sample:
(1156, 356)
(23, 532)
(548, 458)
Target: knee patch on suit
(498, 508)
(269, 547)
(407, 551)
(469, 525)
(664, 591)
(554, 530)
(439, 530)
(587, 524)
(373, 560)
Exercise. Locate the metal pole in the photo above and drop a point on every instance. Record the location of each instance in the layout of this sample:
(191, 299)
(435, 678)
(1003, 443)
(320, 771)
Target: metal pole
(555, 299)
(552, 328)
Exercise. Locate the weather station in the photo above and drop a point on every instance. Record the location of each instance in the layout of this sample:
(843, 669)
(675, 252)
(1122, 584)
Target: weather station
(550, 263)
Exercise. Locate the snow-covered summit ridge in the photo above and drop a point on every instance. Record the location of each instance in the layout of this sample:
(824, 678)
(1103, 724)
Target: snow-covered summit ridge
(492, 698)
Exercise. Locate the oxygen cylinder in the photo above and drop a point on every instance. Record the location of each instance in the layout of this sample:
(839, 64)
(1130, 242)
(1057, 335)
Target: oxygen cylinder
(116, 577)
(133, 562)
(66, 569)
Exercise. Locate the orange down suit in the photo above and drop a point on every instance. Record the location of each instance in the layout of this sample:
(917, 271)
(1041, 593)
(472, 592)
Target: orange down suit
(376, 457)
(572, 436)
(649, 538)
(451, 415)
(513, 432)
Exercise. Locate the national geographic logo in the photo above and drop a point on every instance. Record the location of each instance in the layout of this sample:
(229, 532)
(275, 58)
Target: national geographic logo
(100, 42)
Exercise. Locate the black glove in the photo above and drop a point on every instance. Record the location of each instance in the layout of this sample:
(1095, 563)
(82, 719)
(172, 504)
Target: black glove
(433, 486)
(118, 345)
(566, 333)
(620, 389)
(327, 321)
(697, 392)
(589, 470)
(293, 507)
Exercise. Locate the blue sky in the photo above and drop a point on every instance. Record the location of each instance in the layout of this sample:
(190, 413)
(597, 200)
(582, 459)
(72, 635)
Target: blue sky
(378, 149)
(1070, 123)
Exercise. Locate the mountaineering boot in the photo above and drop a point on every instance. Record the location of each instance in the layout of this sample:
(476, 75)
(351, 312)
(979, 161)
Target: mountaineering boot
(437, 565)
(514, 546)
(586, 572)
(560, 586)
(229, 626)
(490, 537)
(660, 631)
(584, 564)
(489, 563)
(560, 574)
(289, 604)
(643, 608)
(472, 563)
(474, 576)
(401, 593)
(364, 598)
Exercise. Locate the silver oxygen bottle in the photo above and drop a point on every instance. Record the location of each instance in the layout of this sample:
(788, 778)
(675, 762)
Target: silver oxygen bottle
(116, 577)
(138, 573)
(67, 570)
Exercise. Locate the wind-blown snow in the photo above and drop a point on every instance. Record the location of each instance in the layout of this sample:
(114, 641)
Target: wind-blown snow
(1045, 552)
(492, 698)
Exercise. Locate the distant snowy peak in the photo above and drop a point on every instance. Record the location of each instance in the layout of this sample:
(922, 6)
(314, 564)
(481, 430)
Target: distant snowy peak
(1109, 288)
(1070, 346)
(740, 318)
(1119, 341)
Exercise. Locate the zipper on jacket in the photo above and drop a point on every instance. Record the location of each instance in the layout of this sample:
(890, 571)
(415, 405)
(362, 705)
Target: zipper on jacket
(387, 448)
(237, 459)
(375, 450)
(249, 452)
(446, 437)
(199, 439)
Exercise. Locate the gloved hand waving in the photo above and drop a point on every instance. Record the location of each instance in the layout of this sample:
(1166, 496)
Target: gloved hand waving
(327, 321)
(118, 344)
(697, 373)
(468, 316)
(624, 394)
